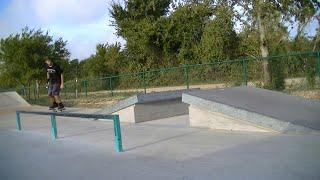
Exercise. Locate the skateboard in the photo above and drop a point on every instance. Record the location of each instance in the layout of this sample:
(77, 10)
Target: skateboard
(57, 110)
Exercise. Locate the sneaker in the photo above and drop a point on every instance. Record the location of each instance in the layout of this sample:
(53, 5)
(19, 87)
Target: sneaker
(61, 107)
(53, 106)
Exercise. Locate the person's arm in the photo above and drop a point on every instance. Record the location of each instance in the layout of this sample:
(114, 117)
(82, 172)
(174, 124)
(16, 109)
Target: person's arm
(62, 81)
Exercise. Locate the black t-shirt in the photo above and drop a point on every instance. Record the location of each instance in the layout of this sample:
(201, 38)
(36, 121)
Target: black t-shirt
(54, 74)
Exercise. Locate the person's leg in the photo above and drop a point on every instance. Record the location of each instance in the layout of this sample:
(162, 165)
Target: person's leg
(51, 96)
(52, 99)
(56, 92)
(57, 99)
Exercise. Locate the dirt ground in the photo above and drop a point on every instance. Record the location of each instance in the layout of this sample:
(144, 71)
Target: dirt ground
(309, 94)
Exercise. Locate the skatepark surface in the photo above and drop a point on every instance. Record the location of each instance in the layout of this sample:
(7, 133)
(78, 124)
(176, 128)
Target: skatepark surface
(160, 149)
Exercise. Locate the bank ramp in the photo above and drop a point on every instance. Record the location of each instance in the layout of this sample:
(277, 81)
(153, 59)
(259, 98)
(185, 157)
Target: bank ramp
(252, 109)
(12, 100)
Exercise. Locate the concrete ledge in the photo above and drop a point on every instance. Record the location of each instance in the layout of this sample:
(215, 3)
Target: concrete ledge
(151, 106)
(152, 111)
(159, 110)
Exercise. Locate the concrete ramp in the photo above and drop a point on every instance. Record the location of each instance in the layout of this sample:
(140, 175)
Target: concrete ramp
(11, 100)
(150, 106)
(252, 109)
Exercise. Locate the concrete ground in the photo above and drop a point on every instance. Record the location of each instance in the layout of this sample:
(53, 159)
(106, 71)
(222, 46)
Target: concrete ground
(163, 149)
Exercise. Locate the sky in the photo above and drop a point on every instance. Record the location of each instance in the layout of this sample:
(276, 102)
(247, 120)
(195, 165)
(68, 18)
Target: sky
(83, 23)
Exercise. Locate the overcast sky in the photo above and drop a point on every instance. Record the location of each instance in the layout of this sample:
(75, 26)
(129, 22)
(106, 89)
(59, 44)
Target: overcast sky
(83, 23)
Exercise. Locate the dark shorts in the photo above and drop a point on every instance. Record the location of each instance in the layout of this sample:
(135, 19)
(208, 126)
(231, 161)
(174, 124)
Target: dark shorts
(54, 89)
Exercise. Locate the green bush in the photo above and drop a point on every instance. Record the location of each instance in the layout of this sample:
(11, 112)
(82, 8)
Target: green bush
(311, 72)
(276, 70)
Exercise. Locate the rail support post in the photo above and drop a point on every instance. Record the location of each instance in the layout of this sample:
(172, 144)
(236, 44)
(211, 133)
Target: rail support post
(117, 134)
(54, 132)
(18, 119)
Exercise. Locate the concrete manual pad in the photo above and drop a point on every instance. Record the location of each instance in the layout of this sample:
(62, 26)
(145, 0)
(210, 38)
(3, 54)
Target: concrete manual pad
(150, 106)
(266, 108)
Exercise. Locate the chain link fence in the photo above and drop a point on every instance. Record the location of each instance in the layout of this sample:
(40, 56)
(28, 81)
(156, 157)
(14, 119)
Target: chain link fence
(289, 73)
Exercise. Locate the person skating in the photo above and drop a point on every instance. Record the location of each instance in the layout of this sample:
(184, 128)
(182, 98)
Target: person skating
(55, 82)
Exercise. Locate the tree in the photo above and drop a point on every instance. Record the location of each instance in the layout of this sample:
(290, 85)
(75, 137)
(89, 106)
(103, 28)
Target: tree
(137, 21)
(264, 15)
(316, 39)
(106, 61)
(22, 56)
(184, 29)
(219, 40)
(72, 69)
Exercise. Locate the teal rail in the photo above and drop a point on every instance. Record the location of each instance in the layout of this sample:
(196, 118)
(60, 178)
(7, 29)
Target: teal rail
(54, 131)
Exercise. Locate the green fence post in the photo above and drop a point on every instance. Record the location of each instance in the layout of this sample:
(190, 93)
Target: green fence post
(244, 71)
(54, 132)
(34, 93)
(186, 75)
(18, 119)
(86, 87)
(24, 91)
(110, 85)
(117, 133)
(75, 91)
(144, 82)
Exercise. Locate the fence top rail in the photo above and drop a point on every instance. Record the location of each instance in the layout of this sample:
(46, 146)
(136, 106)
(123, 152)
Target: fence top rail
(68, 114)
(214, 62)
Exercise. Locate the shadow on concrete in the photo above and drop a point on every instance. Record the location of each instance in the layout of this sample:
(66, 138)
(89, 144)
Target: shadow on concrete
(85, 133)
(162, 140)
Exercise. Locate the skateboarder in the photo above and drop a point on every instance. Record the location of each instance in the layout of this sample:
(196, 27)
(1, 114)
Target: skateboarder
(55, 84)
